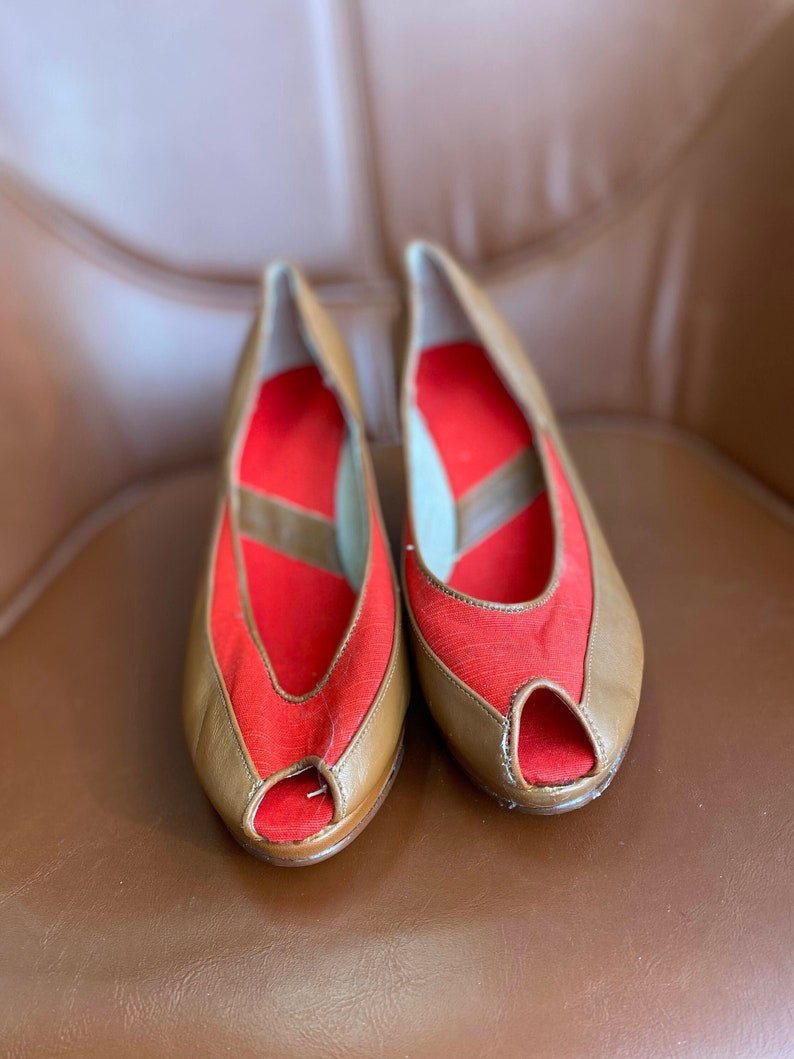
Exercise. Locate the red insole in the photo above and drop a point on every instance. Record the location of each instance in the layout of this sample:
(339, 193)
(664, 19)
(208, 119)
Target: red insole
(477, 427)
(553, 748)
(291, 810)
(301, 613)
(294, 440)
(498, 569)
(292, 453)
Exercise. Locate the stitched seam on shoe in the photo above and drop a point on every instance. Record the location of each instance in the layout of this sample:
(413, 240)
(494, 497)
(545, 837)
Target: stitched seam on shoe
(329, 672)
(375, 522)
(584, 704)
(500, 608)
(559, 560)
(376, 705)
(237, 746)
(457, 683)
(373, 713)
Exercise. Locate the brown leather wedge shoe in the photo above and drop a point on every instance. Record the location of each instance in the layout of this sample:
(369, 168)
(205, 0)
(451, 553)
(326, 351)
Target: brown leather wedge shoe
(527, 644)
(296, 682)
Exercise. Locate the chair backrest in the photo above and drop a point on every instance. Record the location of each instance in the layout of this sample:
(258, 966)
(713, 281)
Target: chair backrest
(620, 174)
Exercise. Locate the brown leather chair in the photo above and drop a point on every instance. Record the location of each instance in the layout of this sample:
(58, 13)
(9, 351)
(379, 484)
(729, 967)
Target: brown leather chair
(621, 177)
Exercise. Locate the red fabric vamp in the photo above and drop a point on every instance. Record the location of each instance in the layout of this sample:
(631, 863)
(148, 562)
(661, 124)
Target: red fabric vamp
(477, 427)
(475, 423)
(496, 652)
(294, 440)
(276, 731)
(291, 452)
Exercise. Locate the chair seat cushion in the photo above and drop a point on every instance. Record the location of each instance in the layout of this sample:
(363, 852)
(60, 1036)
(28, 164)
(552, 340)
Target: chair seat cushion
(133, 925)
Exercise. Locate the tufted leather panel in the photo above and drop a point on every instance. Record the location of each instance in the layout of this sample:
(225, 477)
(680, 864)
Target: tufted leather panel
(623, 186)
(620, 176)
(634, 218)
(528, 120)
(146, 119)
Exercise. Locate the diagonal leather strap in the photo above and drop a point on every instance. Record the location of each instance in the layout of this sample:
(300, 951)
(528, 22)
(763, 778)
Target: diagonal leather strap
(288, 529)
(496, 499)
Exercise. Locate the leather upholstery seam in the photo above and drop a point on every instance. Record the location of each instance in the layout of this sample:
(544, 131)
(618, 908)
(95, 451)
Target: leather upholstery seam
(73, 228)
(82, 534)
(360, 103)
(743, 482)
(93, 242)
(578, 231)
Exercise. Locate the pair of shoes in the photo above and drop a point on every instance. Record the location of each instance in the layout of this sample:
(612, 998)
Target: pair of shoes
(526, 643)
